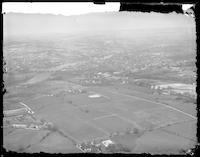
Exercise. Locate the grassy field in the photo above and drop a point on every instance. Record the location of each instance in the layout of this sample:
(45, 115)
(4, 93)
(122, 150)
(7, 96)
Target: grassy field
(84, 119)
(160, 142)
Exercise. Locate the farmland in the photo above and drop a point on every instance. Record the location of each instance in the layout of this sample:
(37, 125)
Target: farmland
(97, 86)
(85, 119)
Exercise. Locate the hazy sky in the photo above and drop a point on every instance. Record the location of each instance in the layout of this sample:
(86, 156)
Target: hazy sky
(69, 8)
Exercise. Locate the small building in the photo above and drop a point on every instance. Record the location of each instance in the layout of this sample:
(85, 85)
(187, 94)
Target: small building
(106, 143)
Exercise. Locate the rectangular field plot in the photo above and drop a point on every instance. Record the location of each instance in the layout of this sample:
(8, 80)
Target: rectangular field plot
(136, 105)
(158, 117)
(89, 113)
(73, 122)
(172, 114)
(20, 139)
(87, 132)
(81, 131)
(54, 143)
(161, 142)
(111, 109)
(186, 107)
(83, 99)
(185, 129)
(113, 123)
(78, 129)
(84, 113)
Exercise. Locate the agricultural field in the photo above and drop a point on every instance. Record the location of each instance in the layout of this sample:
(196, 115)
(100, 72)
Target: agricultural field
(101, 91)
(110, 115)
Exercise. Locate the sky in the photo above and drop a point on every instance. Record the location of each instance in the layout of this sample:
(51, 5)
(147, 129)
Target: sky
(69, 8)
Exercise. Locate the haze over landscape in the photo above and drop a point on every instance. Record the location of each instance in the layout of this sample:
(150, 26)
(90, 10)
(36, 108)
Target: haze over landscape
(99, 82)
(31, 24)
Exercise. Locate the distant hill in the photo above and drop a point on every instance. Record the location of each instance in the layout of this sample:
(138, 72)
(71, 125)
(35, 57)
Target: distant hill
(35, 24)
